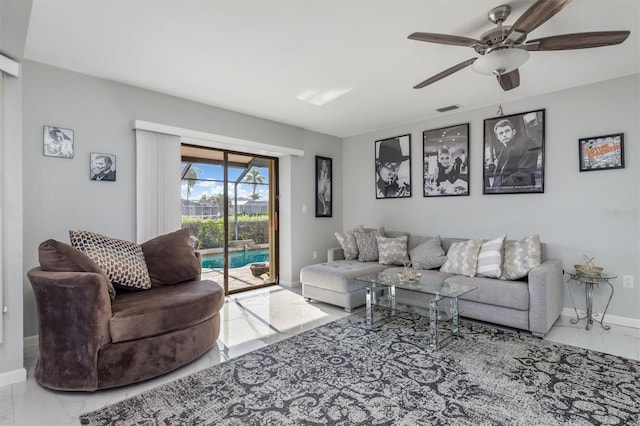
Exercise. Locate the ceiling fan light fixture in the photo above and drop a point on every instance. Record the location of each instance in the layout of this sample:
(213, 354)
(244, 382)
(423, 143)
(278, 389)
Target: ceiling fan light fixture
(500, 61)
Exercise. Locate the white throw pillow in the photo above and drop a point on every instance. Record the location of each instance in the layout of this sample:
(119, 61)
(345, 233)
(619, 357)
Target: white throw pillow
(490, 258)
(462, 258)
(428, 255)
(520, 257)
(392, 251)
(348, 243)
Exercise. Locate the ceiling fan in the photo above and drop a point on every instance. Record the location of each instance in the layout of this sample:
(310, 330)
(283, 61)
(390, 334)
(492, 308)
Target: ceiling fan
(503, 49)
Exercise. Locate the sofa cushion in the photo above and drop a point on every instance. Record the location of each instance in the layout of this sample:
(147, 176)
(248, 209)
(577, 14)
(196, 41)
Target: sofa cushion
(520, 257)
(348, 244)
(170, 258)
(56, 256)
(339, 276)
(462, 258)
(367, 244)
(428, 255)
(163, 309)
(392, 251)
(490, 258)
(122, 261)
(490, 291)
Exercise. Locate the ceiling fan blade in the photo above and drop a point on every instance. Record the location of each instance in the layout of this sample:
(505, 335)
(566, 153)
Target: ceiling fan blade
(443, 39)
(539, 13)
(510, 80)
(578, 40)
(445, 73)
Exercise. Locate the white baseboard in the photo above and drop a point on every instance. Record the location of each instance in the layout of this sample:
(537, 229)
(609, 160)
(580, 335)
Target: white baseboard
(13, 377)
(608, 319)
(290, 284)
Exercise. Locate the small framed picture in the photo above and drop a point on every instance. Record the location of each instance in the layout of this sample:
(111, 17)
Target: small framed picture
(324, 188)
(514, 153)
(445, 154)
(601, 152)
(103, 167)
(393, 167)
(58, 142)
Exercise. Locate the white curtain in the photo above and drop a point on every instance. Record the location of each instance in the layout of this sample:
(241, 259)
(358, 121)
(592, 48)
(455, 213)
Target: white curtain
(158, 209)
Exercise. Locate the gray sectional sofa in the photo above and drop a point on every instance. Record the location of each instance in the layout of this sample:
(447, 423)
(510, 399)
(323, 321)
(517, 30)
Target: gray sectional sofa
(532, 303)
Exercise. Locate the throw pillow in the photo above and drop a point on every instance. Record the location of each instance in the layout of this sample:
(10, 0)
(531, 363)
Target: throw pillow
(170, 258)
(348, 243)
(367, 244)
(490, 258)
(392, 251)
(122, 261)
(462, 258)
(428, 255)
(520, 257)
(56, 256)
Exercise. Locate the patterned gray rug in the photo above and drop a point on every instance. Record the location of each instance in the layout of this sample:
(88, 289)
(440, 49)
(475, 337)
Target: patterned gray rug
(343, 373)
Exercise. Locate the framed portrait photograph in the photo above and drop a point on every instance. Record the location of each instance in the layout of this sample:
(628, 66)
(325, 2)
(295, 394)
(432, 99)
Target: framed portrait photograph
(514, 153)
(601, 152)
(324, 186)
(57, 142)
(103, 167)
(393, 167)
(445, 153)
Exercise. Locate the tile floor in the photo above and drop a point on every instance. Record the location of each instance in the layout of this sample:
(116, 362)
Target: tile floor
(249, 321)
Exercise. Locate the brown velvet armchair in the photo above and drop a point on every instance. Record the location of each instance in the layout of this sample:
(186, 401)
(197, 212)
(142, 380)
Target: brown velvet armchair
(89, 340)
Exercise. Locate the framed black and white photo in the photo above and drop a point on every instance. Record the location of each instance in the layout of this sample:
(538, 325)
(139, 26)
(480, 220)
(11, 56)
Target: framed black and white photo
(445, 154)
(393, 167)
(103, 167)
(601, 152)
(324, 187)
(514, 153)
(57, 142)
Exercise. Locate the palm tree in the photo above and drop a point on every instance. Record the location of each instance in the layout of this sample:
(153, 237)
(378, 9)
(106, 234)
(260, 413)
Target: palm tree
(254, 177)
(190, 174)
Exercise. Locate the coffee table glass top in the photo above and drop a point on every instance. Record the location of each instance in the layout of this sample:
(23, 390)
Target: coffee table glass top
(423, 285)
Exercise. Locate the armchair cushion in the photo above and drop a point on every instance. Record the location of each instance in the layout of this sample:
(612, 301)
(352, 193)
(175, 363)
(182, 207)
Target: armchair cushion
(56, 256)
(171, 259)
(122, 261)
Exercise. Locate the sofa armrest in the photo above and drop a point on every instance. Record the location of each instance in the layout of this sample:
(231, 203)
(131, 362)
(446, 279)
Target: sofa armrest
(335, 253)
(74, 310)
(546, 296)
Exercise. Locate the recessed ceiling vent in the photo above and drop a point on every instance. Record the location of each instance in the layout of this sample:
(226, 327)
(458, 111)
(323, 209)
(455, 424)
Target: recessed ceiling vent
(449, 108)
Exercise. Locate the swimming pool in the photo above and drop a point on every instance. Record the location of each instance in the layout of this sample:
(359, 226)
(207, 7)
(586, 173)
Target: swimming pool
(236, 258)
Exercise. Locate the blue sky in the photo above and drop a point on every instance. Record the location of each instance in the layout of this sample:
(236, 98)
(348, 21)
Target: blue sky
(211, 182)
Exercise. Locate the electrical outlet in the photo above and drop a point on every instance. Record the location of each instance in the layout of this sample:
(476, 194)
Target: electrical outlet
(315, 254)
(627, 281)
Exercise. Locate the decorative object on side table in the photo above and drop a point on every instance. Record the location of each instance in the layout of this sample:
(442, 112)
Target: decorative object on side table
(409, 274)
(601, 152)
(590, 276)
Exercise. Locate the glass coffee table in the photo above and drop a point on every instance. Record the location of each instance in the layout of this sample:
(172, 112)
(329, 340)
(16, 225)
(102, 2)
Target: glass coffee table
(441, 292)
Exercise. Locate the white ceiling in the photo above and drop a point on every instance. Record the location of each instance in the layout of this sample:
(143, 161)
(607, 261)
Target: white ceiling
(257, 57)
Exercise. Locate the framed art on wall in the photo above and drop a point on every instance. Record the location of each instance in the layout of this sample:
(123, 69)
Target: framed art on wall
(103, 167)
(393, 167)
(514, 153)
(445, 156)
(601, 152)
(58, 142)
(324, 186)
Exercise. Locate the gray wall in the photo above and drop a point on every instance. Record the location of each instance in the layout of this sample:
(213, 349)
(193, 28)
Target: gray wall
(593, 213)
(58, 195)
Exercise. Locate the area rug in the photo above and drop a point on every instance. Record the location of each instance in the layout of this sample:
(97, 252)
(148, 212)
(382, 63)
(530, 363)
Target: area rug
(344, 373)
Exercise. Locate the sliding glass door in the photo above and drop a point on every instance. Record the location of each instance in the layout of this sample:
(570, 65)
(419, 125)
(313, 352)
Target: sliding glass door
(229, 206)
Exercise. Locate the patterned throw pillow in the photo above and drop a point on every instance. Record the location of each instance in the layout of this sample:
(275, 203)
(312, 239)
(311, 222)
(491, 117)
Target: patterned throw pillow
(392, 251)
(520, 257)
(122, 261)
(367, 244)
(428, 255)
(490, 258)
(462, 258)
